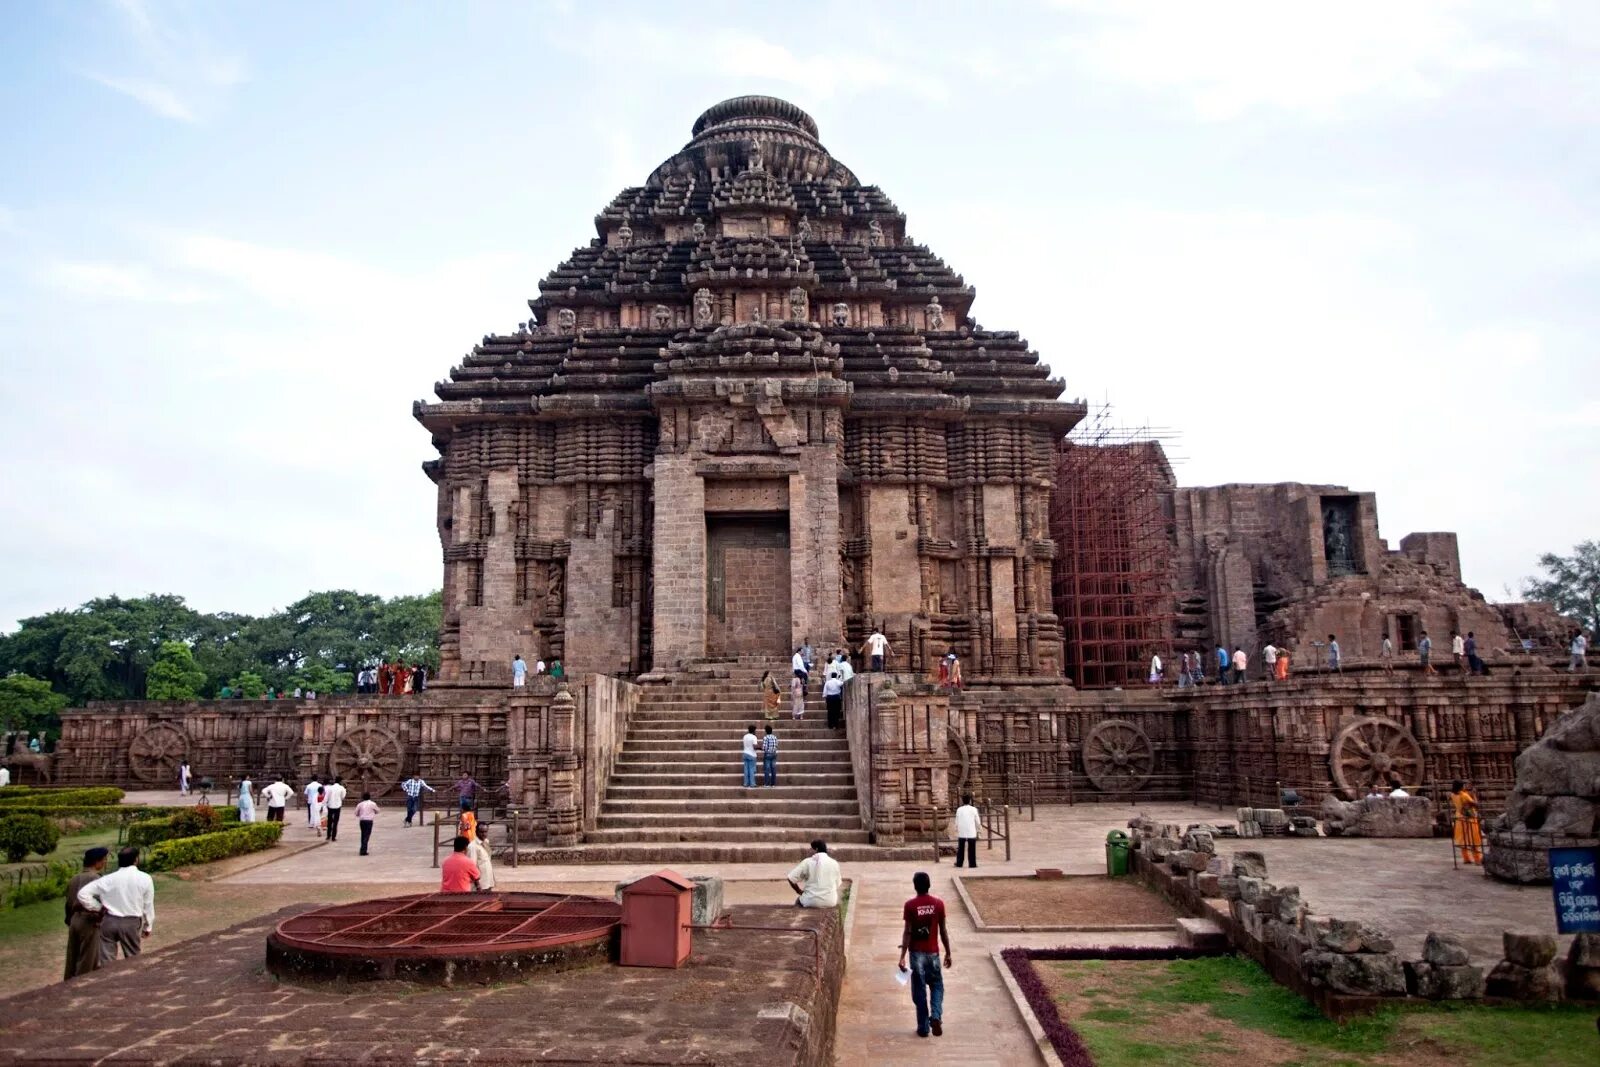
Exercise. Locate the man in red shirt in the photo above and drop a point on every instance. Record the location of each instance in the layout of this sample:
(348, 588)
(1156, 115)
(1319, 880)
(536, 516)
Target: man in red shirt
(460, 874)
(924, 929)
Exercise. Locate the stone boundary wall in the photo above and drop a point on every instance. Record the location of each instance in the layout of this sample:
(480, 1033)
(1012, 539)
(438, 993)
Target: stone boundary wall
(900, 752)
(605, 708)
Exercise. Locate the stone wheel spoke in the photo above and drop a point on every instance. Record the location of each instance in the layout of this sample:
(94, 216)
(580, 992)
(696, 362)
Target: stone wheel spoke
(1118, 756)
(1369, 751)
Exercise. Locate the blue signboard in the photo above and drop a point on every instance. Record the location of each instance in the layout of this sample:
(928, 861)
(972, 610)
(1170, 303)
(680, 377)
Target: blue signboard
(1577, 889)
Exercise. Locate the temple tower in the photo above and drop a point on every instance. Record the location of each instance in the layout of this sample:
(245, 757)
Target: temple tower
(751, 411)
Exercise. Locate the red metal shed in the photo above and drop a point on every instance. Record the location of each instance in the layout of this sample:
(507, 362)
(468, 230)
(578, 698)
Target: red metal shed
(655, 920)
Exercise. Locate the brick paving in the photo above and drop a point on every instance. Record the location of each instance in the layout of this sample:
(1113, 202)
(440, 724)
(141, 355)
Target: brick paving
(1407, 887)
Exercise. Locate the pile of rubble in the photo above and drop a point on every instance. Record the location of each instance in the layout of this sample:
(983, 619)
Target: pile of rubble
(1556, 802)
(1274, 926)
(1275, 822)
(1378, 817)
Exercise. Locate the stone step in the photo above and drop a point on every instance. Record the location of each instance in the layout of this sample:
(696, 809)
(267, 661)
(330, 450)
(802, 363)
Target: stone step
(691, 735)
(700, 790)
(750, 835)
(724, 713)
(682, 856)
(790, 808)
(689, 770)
(751, 824)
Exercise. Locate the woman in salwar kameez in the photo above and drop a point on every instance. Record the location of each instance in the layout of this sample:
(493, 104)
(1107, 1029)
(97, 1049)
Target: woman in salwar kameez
(1468, 830)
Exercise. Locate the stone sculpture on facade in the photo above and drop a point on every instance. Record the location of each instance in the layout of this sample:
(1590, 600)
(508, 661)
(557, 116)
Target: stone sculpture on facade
(841, 314)
(566, 320)
(703, 315)
(797, 304)
(934, 314)
(1556, 802)
(661, 317)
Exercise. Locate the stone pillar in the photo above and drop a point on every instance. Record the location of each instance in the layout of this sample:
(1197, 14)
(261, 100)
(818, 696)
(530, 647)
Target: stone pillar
(815, 590)
(563, 825)
(888, 816)
(678, 562)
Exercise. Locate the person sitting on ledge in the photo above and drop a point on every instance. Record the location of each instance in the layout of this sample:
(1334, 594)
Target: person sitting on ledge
(458, 874)
(816, 878)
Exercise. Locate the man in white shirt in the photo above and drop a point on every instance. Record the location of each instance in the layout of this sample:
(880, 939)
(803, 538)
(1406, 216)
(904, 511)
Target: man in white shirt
(519, 673)
(478, 852)
(336, 793)
(1579, 652)
(1269, 659)
(816, 878)
(313, 814)
(1386, 654)
(797, 663)
(538, 667)
(1241, 667)
(841, 664)
(876, 648)
(967, 833)
(126, 899)
(750, 743)
(277, 795)
(5, 776)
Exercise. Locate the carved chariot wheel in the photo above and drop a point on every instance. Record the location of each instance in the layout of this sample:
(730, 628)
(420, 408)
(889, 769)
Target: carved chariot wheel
(1373, 751)
(1118, 756)
(368, 758)
(155, 752)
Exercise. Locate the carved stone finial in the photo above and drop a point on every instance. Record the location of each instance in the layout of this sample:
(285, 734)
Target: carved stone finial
(625, 233)
(702, 309)
(841, 314)
(756, 162)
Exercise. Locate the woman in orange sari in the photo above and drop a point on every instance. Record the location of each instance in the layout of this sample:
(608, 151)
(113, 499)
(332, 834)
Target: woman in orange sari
(1468, 830)
(1280, 666)
(769, 695)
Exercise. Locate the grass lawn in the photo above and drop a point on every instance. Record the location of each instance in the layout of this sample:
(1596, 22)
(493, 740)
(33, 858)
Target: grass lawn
(1225, 1011)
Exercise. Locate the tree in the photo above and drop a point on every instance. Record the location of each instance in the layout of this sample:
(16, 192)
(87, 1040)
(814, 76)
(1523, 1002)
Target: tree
(174, 675)
(29, 704)
(248, 684)
(1571, 583)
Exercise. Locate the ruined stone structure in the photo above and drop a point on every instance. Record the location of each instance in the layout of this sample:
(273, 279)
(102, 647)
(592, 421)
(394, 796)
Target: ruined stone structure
(751, 410)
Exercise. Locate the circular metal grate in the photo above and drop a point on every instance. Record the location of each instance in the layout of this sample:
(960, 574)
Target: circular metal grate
(410, 936)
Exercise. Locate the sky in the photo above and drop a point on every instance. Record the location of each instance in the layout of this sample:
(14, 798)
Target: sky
(1353, 244)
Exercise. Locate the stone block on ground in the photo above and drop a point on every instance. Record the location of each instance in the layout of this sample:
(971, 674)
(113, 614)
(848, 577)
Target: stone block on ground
(1529, 950)
(1442, 950)
(1585, 951)
(1202, 934)
(1249, 828)
(1207, 886)
(1250, 864)
(1424, 979)
(1250, 889)
(1228, 886)
(1515, 982)
(1368, 974)
(1200, 841)
(1271, 819)
(1347, 937)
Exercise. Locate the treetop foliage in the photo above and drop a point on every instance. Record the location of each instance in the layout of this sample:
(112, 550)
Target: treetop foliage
(108, 648)
(1571, 583)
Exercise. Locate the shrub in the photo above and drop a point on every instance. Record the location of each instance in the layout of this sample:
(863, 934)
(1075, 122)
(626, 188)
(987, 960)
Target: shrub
(52, 885)
(60, 798)
(186, 823)
(183, 851)
(22, 834)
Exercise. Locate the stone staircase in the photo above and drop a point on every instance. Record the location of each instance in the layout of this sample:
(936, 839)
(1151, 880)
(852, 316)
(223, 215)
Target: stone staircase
(676, 792)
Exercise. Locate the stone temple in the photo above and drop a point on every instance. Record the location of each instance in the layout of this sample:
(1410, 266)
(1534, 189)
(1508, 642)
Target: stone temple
(753, 411)
(750, 411)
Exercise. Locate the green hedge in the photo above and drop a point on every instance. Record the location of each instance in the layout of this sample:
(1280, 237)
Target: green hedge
(183, 851)
(52, 885)
(191, 822)
(61, 798)
(22, 834)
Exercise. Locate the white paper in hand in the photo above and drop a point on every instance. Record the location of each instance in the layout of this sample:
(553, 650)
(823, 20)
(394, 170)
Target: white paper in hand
(903, 977)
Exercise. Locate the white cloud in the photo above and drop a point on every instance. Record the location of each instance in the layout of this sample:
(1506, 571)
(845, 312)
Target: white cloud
(119, 281)
(171, 67)
(1224, 59)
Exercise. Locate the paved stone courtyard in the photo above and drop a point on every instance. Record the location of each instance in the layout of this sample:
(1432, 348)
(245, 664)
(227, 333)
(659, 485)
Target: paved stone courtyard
(1408, 887)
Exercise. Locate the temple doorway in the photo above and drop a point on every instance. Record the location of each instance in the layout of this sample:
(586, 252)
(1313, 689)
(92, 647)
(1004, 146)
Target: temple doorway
(747, 585)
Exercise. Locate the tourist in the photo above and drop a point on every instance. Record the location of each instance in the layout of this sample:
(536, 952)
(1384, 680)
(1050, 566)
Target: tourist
(83, 925)
(5, 777)
(466, 790)
(769, 757)
(924, 930)
(1386, 653)
(876, 649)
(313, 791)
(1474, 664)
(953, 670)
(1458, 650)
(1183, 670)
(769, 695)
(833, 697)
(1241, 666)
(366, 815)
(419, 678)
(1425, 653)
(35, 746)
(385, 678)
(1224, 661)
(402, 678)
(967, 832)
(816, 878)
(459, 874)
(126, 901)
(467, 824)
(1579, 651)
(1281, 668)
(841, 663)
(798, 665)
(519, 672)
(557, 671)
(1467, 831)
(1197, 664)
(183, 778)
(538, 667)
(1334, 659)
(335, 805)
(808, 655)
(797, 698)
(247, 800)
(478, 853)
(750, 743)
(1399, 790)
(412, 787)
(276, 796)
(1269, 661)
(1155, 669)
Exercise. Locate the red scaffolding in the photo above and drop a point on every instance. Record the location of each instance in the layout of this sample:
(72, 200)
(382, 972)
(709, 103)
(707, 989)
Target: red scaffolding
(1112, 581)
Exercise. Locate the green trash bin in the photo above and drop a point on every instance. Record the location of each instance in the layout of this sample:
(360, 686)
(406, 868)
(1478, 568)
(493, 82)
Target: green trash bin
(1117, 846)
